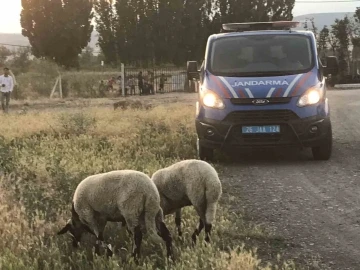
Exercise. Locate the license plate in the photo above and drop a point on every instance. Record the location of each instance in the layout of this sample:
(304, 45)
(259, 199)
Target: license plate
(260, 129)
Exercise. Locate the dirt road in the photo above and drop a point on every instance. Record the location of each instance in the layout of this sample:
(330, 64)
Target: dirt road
(314, 206)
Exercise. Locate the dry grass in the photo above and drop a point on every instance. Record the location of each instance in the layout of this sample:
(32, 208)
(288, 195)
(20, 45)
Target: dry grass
(45, 155)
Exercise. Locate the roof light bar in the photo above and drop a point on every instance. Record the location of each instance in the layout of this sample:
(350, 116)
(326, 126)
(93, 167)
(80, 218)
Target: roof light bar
(256, 26)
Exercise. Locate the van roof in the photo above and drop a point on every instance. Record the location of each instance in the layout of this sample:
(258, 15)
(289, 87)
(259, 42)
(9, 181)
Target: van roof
(262, 32)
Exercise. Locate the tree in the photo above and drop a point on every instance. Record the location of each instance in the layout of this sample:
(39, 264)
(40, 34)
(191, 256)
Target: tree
(312, 27)
(280, 9)
(105, 25)
(341, 31)
(21, 60)
(87, 57)
(322, 43)
(143, 31)
(57, 29)
(191, 32)
(357, 20)
(255, 10)
(4, 53)
(167, 38)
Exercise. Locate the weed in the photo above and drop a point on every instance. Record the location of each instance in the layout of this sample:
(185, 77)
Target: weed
(76, 123)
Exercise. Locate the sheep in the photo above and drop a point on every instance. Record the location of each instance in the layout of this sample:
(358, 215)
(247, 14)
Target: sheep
(125, 196)
(134, 104)
(189, 182)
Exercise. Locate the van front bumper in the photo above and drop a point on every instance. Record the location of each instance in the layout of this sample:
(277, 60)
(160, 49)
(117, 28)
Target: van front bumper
(294, 131)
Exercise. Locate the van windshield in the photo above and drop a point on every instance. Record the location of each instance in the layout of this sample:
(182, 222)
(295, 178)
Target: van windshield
(261, 55)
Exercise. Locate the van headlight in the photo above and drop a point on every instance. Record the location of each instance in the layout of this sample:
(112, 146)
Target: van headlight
(310, 97)
(212, 100)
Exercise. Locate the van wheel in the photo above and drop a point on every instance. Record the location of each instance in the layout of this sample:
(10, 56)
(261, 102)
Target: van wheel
(205, 153)
(323, 152)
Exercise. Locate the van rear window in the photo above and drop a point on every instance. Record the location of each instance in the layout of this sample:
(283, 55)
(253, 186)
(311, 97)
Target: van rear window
(261, 55)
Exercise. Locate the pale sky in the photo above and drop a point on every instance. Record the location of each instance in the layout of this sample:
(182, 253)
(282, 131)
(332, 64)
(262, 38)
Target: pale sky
(10, 11)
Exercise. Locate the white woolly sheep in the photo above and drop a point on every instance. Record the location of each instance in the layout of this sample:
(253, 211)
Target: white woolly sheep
(125, 196)
(189, 182)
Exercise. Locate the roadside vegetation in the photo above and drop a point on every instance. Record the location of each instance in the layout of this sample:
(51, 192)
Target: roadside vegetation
(43, 156)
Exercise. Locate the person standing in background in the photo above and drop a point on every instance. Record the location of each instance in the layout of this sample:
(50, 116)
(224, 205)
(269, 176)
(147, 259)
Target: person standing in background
(162, 83)
(6, 87)
(140, 82)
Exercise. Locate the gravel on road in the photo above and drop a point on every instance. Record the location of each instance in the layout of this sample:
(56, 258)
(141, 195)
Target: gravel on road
(315, 205)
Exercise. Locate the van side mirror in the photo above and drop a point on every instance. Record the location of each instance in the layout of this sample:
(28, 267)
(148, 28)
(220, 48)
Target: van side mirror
(192, 70)
(332, 66)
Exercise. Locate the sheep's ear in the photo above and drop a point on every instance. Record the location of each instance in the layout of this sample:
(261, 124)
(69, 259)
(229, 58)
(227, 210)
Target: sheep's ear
(65, 229)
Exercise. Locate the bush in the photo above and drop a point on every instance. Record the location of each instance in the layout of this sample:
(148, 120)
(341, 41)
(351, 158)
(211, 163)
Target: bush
(76, 123)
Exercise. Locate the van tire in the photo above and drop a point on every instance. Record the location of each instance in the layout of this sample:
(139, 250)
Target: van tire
(323, 152)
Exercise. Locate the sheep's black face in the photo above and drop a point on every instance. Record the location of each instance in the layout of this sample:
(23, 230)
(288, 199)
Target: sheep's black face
(75, 229)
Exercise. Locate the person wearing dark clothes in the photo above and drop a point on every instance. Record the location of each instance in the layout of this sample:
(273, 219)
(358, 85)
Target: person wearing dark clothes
(162, 82)
(140, 83)
(151, 82)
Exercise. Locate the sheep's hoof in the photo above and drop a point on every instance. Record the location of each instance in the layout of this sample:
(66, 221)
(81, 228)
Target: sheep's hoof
(193, 238)
(136, 258)
(171, 257)
(75, 244)
(181, 238)
(97, 251)
(109, 252)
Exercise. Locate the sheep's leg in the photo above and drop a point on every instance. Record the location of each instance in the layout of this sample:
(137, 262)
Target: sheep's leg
(137, 242)
(197, 231)
(178, 221)
(200, 209)
(123, 224)
(207, 232)
(166, 236)
(93, 224)
(134, 229)
(97, 226)
(100, 242)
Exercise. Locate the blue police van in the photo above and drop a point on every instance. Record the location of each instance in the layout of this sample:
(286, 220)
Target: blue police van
(262, 84)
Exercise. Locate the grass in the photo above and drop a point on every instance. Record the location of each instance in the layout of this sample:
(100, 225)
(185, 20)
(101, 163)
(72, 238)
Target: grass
(43, 156)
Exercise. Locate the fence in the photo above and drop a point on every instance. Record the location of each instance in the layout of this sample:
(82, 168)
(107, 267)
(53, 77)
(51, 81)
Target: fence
(174, 80)
(101, 84)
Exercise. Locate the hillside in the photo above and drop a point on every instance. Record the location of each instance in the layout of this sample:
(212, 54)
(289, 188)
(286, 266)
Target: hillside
(18, 39)
(322, 19)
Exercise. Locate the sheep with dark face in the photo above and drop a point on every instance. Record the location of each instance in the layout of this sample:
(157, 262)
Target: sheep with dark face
(189, 182)
(125, 196)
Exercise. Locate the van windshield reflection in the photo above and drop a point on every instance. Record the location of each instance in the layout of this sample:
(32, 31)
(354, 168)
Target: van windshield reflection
(265, 55)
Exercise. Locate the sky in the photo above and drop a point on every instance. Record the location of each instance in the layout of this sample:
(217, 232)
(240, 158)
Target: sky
(10, 11)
